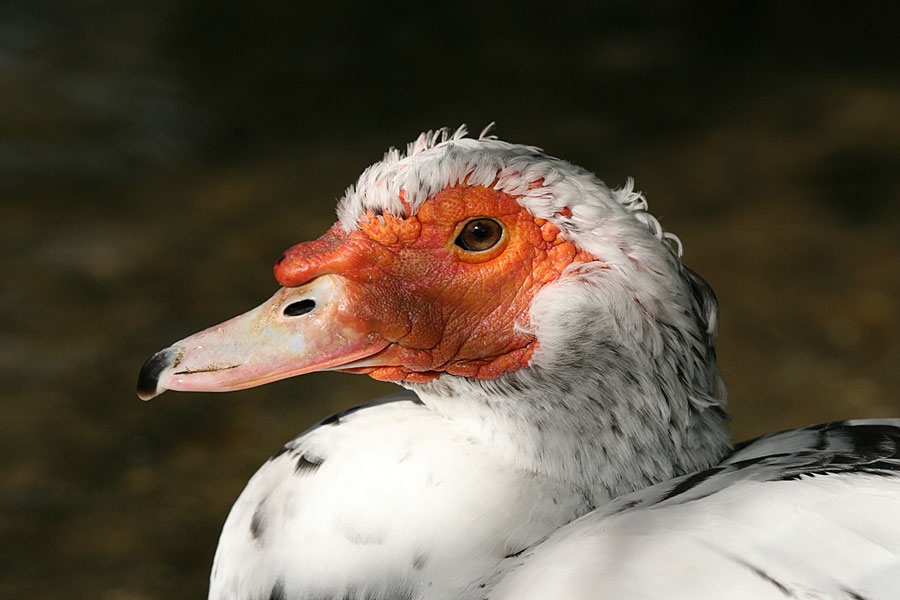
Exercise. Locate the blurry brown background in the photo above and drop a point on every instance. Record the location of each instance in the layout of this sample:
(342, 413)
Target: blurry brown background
(157, 156)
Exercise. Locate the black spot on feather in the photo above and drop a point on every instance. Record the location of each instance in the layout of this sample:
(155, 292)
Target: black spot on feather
(277, 592)
(258, 523)
(419, 561)
(306, 465)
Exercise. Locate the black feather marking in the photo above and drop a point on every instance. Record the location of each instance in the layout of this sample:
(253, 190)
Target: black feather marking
(335, 419)
(765, 459)
(854, 595)
(277, 592)
(691, 482)
(516, 553)
(400, 593)
(780, 586)
(419, 561)
(822, 428)
(821, 439)
(875, 450)
(307, 465)
(629, 505)
(258, 523)
(281, 451)
(406, 593)
(766, 577)
(873, 440)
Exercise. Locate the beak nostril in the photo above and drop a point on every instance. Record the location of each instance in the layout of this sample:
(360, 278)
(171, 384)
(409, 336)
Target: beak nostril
(301, 307)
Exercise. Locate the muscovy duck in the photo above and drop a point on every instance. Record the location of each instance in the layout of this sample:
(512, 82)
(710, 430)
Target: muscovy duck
(563, 433)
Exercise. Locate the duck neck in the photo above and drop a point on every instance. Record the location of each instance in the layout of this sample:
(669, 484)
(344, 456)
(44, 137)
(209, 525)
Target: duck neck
(604, 410)
(603, 440)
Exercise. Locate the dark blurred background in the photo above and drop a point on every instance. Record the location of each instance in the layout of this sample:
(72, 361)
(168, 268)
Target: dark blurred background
(157, 155)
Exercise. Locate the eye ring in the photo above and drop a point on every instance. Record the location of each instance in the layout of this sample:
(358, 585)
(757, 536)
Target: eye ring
(479, 235)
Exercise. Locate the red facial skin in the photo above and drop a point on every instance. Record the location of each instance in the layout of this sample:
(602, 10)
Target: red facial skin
(441, 308)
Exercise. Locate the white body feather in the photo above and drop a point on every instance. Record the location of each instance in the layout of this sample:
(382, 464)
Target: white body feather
(403, 505)
(786, 517)
(755, 541)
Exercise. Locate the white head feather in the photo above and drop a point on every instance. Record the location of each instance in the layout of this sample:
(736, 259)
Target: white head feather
(550, 188)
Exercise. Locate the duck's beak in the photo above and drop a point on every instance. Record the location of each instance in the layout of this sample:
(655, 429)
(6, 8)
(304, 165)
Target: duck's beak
(302, 329)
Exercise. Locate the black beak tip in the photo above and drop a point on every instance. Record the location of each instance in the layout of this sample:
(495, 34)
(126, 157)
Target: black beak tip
(148, 378)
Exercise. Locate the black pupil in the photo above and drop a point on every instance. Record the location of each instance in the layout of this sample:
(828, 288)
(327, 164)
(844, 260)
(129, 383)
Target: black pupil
(479, 235)
(479, 231)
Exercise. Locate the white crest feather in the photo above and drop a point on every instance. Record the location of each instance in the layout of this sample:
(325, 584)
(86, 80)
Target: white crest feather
(550, 188)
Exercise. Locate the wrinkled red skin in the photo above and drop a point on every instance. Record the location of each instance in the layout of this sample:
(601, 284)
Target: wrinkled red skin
(442, 308)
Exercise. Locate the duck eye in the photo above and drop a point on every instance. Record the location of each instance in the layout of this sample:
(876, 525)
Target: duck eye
(479, 235)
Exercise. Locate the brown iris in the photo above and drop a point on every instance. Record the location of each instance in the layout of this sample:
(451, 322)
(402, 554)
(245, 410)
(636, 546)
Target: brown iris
(479, 235)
